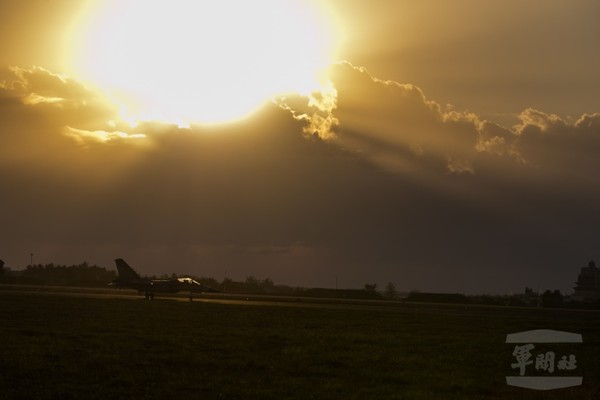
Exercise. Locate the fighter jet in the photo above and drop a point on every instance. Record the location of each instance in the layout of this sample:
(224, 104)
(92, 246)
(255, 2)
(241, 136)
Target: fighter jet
(128, 278)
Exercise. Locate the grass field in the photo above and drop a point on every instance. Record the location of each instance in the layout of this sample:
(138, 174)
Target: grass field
(77, 347)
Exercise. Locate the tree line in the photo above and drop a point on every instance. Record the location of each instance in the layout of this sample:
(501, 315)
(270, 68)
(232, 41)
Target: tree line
(59, 275)
(87, 275)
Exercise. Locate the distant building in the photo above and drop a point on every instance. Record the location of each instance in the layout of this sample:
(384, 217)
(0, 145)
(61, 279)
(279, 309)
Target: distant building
(588, 283)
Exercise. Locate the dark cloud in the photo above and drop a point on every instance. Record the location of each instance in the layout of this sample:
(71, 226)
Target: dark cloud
(564, 148)
(461, 204)
(392, 122)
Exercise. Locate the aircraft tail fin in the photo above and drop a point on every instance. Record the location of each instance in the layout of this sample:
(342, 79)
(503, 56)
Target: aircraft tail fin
(125, 271)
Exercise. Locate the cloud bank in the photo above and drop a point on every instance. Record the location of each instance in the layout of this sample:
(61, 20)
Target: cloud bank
(369, 181)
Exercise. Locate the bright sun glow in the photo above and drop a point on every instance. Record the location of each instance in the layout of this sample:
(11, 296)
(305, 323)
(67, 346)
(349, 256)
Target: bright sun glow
(203, 61)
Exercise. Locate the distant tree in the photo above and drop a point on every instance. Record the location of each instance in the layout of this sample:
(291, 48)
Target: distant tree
(552, 299)
(267, 285)
(252, 284)
(529, 291)
(390, 291)
(371, 287)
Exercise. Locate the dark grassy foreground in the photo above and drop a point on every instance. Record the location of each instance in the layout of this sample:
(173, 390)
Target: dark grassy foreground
(54, 346)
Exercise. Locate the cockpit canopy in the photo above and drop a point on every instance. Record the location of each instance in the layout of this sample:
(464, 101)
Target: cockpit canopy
(189, 281)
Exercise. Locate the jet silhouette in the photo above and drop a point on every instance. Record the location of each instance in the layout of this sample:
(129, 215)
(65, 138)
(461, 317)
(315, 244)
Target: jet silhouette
(128, 278)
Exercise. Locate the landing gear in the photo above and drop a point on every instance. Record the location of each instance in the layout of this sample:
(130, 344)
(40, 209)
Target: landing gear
(149, 296)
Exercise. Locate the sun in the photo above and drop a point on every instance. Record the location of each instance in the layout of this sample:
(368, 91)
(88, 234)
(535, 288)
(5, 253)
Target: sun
(202, 61)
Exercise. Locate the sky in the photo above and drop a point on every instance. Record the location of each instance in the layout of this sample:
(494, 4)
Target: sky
(441, 146)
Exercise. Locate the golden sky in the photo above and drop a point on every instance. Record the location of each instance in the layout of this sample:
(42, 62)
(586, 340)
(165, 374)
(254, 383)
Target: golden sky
(442, 146)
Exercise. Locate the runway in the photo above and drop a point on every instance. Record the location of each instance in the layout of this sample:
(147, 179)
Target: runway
(262, 300)
(217, 298)
(257, 300)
